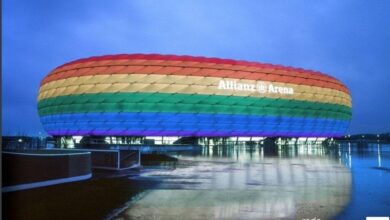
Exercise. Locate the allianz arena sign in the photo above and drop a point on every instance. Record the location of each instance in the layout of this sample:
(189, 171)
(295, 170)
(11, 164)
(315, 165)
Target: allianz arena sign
(260, 87)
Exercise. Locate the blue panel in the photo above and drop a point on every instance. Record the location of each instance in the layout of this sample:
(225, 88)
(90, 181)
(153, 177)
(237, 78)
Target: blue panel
(191, 122)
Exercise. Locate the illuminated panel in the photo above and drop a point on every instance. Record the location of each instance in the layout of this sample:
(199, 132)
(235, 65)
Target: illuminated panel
(144, 95)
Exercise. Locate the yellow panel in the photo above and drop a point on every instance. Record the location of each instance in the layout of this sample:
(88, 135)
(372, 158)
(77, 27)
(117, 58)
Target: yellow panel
(188, 80)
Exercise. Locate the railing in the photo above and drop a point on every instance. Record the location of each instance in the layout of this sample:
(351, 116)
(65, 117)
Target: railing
(129, 160)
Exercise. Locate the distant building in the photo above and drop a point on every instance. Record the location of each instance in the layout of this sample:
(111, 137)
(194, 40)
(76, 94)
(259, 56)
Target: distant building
(24, 142)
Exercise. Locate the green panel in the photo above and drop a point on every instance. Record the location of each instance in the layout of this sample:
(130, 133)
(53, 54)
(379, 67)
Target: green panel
(165, 102)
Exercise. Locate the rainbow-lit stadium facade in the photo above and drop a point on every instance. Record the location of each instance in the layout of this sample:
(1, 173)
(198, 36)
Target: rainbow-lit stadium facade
(167, 95)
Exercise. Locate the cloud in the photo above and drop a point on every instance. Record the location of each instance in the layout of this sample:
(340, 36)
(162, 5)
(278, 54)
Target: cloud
(345, 39)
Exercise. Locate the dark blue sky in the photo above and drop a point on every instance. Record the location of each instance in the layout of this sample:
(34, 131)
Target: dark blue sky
(349, 40)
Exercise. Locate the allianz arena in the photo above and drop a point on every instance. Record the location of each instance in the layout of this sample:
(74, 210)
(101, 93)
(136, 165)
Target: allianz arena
(167, 95)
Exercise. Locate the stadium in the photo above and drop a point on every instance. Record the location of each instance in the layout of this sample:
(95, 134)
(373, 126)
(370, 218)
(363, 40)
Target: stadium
(139, 95)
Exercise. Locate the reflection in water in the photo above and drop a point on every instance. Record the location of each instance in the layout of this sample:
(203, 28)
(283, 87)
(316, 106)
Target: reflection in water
(349, 155)
(379, 156)
(369, 164)
(238, 182)
(362, 150)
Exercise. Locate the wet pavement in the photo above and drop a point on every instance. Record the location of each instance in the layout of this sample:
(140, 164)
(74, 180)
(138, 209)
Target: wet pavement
(233, 182)
(244, 185)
